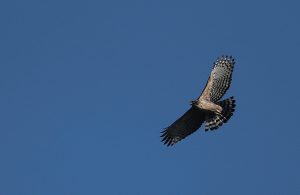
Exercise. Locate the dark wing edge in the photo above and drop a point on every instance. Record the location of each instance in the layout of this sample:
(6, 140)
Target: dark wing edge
(187, 124)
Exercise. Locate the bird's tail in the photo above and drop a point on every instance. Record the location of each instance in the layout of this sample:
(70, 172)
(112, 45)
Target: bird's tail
(217, 120)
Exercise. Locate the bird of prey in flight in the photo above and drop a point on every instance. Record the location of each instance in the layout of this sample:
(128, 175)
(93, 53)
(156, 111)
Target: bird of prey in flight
(207, 107)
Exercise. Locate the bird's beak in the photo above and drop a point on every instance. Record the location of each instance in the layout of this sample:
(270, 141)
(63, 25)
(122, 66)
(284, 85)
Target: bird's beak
(192, 102)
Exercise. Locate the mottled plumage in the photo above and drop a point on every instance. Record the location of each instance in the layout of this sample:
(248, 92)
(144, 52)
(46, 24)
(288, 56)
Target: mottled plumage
(207, 107)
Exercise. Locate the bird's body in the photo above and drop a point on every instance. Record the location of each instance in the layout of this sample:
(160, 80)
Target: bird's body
(207, 107)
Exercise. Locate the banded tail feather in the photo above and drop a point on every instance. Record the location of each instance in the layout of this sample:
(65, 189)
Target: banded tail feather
(217, 120)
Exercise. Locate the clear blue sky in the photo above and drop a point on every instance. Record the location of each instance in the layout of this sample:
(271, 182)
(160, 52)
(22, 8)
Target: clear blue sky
(87, 86)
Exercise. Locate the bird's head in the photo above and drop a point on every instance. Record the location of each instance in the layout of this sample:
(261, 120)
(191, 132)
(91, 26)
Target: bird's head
(193, 102)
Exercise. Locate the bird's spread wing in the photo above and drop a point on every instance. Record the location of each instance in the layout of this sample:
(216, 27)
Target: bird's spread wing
(184, 126)
(219, 79)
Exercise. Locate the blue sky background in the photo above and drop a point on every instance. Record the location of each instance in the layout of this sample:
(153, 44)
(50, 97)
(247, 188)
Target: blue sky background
(87, 86)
